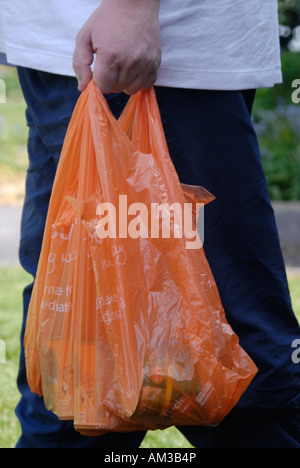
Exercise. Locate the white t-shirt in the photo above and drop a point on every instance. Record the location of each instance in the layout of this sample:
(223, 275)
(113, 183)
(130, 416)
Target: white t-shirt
(207, 44)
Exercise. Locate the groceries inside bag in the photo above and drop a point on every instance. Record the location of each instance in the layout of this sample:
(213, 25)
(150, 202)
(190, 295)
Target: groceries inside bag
(126, 330)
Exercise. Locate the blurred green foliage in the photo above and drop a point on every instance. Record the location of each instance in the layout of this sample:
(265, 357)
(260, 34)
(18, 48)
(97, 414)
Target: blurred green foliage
(277, 118)
(289, 16)
(277, 122)
(269, 98)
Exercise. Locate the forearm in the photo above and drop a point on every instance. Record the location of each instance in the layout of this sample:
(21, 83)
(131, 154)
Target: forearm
(136, 4)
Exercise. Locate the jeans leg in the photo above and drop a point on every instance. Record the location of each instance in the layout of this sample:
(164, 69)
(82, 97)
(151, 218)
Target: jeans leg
(212, 143)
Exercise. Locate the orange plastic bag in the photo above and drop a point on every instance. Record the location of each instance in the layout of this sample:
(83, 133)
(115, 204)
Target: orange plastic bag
(127, 332)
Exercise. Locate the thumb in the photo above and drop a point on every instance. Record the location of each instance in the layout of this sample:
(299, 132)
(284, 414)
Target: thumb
(106, 73)
(83, 58)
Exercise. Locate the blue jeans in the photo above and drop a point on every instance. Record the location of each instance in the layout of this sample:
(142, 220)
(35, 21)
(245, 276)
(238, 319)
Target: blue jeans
(212, 143)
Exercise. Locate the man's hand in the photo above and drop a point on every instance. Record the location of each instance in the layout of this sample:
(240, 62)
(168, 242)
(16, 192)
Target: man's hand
(125, 36)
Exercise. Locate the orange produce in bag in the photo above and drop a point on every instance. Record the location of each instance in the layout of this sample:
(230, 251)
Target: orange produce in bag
(126, 329)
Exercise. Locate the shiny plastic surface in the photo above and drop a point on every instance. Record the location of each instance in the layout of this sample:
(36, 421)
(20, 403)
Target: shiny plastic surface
(126, 333)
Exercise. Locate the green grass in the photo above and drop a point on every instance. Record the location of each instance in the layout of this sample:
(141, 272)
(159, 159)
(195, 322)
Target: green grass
(12, 281)
(14, 132)
(13, 137)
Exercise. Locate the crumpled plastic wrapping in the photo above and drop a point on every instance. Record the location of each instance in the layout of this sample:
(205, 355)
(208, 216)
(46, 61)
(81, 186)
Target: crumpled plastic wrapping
(128, 332)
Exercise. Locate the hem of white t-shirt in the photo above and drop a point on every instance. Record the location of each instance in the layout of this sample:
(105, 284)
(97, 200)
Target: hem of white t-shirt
(39, 60)
(220, 80)
(168, 77)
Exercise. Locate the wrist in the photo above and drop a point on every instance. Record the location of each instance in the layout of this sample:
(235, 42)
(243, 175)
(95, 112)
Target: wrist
(152, 5)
